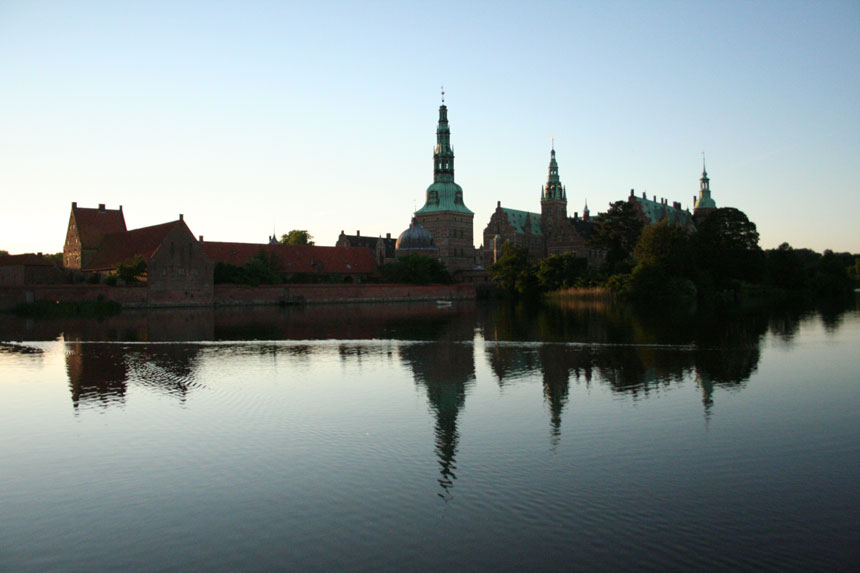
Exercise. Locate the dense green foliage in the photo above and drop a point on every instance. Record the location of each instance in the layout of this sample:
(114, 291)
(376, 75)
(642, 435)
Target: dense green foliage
(616, 233)
(513, 273)
(558, 272)
(131, 272)
(415, 269)
(297, 237)
(261, 269)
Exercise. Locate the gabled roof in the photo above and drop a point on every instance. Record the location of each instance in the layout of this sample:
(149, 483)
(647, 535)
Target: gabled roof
(27, 260)
(94, 224)
(296, 258)
(122, 247)
(524, 221)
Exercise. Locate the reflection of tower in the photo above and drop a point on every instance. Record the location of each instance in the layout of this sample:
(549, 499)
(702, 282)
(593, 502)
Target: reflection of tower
(556, 362)
(445, 369)
(97, 372)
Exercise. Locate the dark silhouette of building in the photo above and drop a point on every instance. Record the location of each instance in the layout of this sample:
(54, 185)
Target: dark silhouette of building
(382, 248)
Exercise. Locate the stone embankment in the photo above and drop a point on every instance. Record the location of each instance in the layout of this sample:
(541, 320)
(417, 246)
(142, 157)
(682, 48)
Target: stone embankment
(233, 295)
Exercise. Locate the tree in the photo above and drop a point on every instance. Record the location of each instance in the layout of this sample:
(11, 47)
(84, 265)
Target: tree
(513, 272)
(664, 264)
(297, 237)
(726, 247)
(561, 271)
(617, 232)
(666, 247)
(4, 253)
(130, 272)
(784, 268)
(415, 269)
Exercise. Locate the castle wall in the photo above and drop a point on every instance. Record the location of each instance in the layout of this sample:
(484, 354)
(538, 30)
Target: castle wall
(138, 296)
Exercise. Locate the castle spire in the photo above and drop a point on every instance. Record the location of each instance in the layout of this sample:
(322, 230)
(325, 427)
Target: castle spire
(704, 202)
(553, 188)
(443, 155)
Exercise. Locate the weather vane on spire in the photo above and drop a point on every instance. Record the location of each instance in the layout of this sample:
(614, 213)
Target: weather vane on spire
(552, 140)
(443, 94)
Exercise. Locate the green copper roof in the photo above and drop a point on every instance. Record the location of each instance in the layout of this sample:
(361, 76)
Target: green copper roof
(705, 201)
(656, 211)
(524, 221)
(444, 196)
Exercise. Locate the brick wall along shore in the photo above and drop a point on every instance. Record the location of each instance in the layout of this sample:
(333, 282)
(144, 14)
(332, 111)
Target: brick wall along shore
(234, 295)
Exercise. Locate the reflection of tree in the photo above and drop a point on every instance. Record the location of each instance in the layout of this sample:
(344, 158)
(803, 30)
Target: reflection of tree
(510, 361)
(97, 373)
(444, 369)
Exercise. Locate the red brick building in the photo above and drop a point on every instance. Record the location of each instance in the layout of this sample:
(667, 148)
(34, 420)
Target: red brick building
(86, 229)
(177, 268)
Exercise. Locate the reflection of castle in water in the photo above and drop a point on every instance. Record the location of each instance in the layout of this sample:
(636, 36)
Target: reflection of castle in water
(445, 370)
(100, 373)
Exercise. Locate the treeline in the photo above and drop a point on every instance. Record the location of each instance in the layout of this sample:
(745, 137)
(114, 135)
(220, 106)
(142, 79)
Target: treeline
(262, 269)
(665, 262)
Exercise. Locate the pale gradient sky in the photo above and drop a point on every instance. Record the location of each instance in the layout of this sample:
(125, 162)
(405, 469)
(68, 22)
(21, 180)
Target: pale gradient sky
(246, 116)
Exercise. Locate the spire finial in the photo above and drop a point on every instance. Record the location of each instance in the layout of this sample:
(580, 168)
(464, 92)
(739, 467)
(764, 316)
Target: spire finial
(443, 95)
(552, 140)
(704, 171)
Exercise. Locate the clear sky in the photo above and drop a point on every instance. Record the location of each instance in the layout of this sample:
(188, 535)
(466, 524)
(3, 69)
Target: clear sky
(253, 116)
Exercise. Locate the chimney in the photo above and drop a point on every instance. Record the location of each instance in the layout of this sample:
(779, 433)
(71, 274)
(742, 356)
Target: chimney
(643, 195)
(39, 253)
(358, 233)
(387, 235)
(694, 199)
(201, 238)
(74, 204)
(101, 207)
(576, 214)
(180, 217)
(120, 208)
(498, 204)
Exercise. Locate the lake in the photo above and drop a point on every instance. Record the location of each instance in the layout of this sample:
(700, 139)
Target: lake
(570, 435)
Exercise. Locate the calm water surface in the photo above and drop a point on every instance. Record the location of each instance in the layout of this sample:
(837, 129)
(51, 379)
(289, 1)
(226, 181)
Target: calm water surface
(574, 435)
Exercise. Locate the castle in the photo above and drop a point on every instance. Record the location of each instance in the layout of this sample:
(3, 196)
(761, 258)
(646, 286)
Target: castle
(550, 232)
(443, 226)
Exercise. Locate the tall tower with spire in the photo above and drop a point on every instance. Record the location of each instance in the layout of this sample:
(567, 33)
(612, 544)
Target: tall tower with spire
(553, 198)
(704, 204)
(444, 213)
